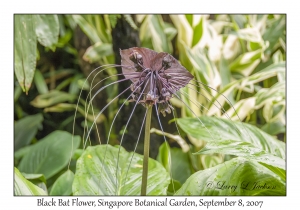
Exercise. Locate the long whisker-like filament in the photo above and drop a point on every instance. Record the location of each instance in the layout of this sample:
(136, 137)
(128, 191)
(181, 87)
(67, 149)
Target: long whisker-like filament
(175, 94)
(90, 96)
(102, 88)
(169, 154)
(175, 117)
(137, 101)
(76, 108)
(115, 119)
(104, 108)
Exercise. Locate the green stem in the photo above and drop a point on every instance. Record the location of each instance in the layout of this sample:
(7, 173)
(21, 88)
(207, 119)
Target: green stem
(146, 150)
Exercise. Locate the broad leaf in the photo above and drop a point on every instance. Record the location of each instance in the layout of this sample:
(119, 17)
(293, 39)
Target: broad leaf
(96, 173)
(217, 129)
(274, 128)
(24, 187)
(47, 29)
(242, 149)
(37, 179)
(50, 154)
(176, 160)
(21, 152)
(238, 176)
(25, 129)
(173, 187)
(25, 50)
(63, 185)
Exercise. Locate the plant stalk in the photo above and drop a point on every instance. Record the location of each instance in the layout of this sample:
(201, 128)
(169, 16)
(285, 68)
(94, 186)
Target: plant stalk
(146, 150)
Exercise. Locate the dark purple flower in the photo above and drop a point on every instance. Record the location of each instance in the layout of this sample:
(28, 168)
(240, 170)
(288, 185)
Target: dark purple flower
(155, 76)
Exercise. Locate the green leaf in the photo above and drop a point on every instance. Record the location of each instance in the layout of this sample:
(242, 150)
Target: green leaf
(51, 98)
(173, 187)
(274, 128)
(47, 30)
(274, 32)
(198, 32)
(50, 154)
(252, 36)
(25, 129)
(63, 185)
(37, 179)
(216, 129)
(63, 107)
(17, 92)
(246, 62)
(176, 160)
(189, 18)
(96, 173)
(101, 26)
(40, 82)
(97, 51)
(131, 22)
(278, 171)
(272, 94)
(185, 31)
(225, 76)
(273, 100)
(77, 154)
(241, 109)
(21, 152)
(238, 176)
(242, 149)
(87, 28)
(224, 71)
(208, 161)
(239, 20)
(268, 72)
(25, 187)
(204, 68)
(170, 31)
(25, 50)
(153, 29)
(248, 34)
(113, 18)
(74, 87)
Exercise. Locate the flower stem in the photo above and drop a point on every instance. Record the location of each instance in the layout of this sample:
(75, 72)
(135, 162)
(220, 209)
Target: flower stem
(146, 150)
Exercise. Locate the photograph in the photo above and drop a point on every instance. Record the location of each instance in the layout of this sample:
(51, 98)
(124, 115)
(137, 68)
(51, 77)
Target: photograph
(149, 105)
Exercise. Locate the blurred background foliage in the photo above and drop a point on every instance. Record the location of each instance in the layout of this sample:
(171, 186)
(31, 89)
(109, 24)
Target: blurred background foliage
(241, 57)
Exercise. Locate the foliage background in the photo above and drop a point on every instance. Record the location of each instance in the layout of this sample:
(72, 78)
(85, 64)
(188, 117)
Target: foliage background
(241, 56)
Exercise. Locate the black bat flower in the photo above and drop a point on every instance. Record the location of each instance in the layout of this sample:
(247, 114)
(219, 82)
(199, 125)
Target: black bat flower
(155, 76)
